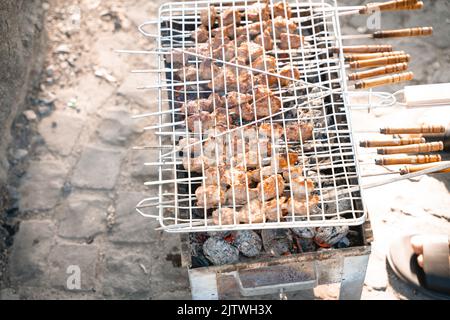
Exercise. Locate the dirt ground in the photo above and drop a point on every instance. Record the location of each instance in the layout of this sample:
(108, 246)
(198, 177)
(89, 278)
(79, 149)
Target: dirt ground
(76, 178)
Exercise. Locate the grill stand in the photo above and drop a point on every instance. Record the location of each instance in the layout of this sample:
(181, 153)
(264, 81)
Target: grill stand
(345, 266)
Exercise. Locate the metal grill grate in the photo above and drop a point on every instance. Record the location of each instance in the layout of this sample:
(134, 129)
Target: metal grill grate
(282, 158)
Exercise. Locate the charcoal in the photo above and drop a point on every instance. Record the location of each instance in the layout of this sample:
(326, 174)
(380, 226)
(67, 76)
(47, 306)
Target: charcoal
(220, 252)
(344, 243)
(306, 245)
(343, 204)
(248, 243)
(277, 242)
(304, 233)
(329, 236)
(219, 234)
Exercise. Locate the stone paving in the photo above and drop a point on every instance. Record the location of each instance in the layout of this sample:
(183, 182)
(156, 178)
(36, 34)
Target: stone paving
(78, 195)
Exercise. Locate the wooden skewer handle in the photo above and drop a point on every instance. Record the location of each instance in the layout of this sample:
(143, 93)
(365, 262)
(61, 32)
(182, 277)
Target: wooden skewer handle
(412, 169)
(391, 142)
(379, 61)
(365, 48)
(419, 159)
(409, 32)
(395, 78)
(413, 148)
(393, 5)
(414, 130)
(368, 56)
(392, 68)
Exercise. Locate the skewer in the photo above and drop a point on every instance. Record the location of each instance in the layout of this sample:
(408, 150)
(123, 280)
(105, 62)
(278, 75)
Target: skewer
(413, 148)
(390, 79)
(364, 49)
(379, 61)
(369, 56)
(418, 168)
(391, 142)
(418, 159)
(414, 130)
(389, 69)
(395, 5)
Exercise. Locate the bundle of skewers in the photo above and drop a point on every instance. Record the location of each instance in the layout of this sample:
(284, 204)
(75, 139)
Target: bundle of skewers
(409, 146)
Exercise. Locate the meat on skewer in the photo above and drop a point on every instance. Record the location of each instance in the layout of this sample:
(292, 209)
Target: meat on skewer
(209, 196)
(274, 209)
(250, 50)
(264, 63)
(290, 41)
(258, 12)
(197, 164)
(282, 9)
(200, 34)
(271, 187)
(224, 216)
(293, 172)
(300, 207)
(299, 132)
(265, 40)
(301, 187)
(208, 17)
(282, 25)
(202, 121)
(271, 129)
(266, 102)
(238, 194)
(195, 106)
(230, 17)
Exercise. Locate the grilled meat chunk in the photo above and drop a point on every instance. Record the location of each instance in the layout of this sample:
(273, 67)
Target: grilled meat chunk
(265, 40)
(293, 172)
(251, 212)
(230, 17)
(266, 102)
(301, 207)
(282, 25)
(258, 12)
(282, 9)
(208, 17)
(274, 209)
(240, 194)
(200, 34)
(264, 63)
(250, 51)
(225, 52)
(235, 99)
(270, 129)
(291, 41)
(299, 132)
(196, 106)
(207, 70)
(271, 187)
(224, 216)
(209, 196)
(289, 72)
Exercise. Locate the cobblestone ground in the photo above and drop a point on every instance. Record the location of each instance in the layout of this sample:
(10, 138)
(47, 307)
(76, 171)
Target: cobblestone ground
(77, 193)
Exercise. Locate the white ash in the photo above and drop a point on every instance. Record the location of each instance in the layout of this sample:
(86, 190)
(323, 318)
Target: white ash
(220, 252)
(276, 242)
(248, 243)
